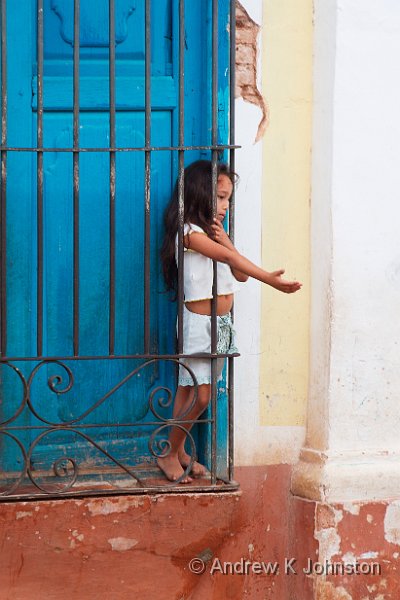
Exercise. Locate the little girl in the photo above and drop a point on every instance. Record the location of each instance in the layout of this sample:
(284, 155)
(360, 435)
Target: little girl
(204, 240)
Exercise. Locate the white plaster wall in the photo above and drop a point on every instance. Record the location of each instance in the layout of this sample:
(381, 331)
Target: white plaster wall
(321, 221)
(354, 417)
(366, 180)
(365, 351)
(248, 299)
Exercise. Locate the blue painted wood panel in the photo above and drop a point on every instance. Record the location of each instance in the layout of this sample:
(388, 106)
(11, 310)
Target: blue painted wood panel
(95, 378)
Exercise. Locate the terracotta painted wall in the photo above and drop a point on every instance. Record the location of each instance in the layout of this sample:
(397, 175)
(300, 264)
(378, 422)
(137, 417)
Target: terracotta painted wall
(142, 546)
(254, 544)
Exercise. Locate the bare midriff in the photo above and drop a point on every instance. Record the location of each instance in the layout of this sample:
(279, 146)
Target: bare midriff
(203, 307)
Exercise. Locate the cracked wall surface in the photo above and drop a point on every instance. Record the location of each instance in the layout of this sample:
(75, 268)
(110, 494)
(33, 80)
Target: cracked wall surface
(246, 87)
(356, 556)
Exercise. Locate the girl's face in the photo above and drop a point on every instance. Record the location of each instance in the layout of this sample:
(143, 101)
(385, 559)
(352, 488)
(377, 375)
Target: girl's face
(224, 193)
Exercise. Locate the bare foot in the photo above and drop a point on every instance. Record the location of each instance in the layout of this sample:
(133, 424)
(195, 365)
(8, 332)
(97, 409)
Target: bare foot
(197, 470)
(172, 469)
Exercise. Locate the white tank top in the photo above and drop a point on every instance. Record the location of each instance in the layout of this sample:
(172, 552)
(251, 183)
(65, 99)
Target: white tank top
(198, 272)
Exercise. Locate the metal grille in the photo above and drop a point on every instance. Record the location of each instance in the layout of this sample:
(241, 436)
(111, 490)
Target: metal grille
(27, 427)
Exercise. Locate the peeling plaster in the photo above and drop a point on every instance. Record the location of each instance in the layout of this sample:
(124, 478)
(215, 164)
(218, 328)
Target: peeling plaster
(247, 32)
(392, 523)
(329, 543)
(327, 516)
(338, 515)
(22, 514)
(120, 544)
(106, 507)
(342, 594)
(349, 558)
(352, 508)
(79, 536)
(369, 555)
(327, 590)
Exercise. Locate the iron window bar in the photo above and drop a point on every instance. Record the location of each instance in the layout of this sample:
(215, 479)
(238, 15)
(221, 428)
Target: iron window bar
(214, 160)
(111, 78)
(218, 147)
(3, 211)
(231, 363)
(39, 178)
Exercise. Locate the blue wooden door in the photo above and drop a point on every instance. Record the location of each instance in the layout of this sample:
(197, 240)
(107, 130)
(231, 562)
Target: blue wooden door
(64, 389)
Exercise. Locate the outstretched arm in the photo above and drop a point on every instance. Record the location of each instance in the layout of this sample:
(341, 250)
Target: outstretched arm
(219, 235)
(215, 251)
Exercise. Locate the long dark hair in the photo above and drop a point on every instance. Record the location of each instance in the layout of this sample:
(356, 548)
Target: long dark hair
(198, 195)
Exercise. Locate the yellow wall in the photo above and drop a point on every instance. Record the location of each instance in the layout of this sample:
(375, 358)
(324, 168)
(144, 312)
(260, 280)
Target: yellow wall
(287, 88)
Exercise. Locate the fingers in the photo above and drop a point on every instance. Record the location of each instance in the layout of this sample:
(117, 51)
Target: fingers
(217, 229)
(289, 287)
(217, 224)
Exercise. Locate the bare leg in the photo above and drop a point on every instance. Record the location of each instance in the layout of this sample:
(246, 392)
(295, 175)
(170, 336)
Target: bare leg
(197, 470)
(171, 464)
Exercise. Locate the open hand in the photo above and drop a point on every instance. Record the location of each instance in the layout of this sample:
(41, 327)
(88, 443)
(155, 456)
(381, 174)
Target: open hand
(288, 287)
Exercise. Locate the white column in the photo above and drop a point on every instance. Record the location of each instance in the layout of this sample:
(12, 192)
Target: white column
(353, 434)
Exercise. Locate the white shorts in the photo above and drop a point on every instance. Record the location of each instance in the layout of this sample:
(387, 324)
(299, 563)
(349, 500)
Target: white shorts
(197, 338)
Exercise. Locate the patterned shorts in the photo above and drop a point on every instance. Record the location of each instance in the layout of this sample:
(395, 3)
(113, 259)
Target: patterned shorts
(197, 338)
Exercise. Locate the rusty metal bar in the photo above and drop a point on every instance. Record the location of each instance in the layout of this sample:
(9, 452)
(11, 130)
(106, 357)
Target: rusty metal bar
(232, 80)
(4, 359)
(218, 147)
(231, 399)
(181, 166)
(82, 493)
(100, 425)
(147, 182)
(76, 179)
(3, 209)
(39, 178)
(231, 363)
(214, 141)
(112, 174)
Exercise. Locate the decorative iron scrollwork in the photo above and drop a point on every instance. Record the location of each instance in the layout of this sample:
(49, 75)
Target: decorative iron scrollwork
(24, 395)
(65, 470)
